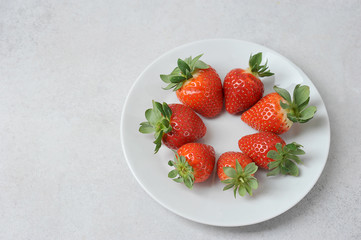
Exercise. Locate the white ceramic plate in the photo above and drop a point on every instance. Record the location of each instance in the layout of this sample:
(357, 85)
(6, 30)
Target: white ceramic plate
(206, 202)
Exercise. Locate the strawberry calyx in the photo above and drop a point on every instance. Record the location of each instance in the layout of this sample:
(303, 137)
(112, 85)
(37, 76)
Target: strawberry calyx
(297, 109)
(256, 68)
(285, 159)
(183, 172)
(241, 180)
(158, 122)
(184, 71)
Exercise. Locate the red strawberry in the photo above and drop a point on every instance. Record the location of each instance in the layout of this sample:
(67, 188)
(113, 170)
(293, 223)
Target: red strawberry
(276, 111)
(257, 145)
(193, 163)
(197, 85)
(269, 151)
(243, 88)
(236, 170)
(173, 124)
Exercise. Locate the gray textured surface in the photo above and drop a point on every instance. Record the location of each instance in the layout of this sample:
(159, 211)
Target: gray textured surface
(65, 70)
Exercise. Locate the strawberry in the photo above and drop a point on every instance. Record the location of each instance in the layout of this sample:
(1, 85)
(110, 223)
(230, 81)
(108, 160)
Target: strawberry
(173, 124)
(197, 85)
(276, 112)
(270, 151)
(243, 88)
(193, 163)
(236, 170)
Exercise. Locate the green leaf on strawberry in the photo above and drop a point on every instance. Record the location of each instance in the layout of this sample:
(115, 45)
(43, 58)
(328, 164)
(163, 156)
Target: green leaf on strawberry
(285, 159)
(301, 94)
(146, 127)
(298, 109)
(256, 68)
(183, 172)
(184, 71)
(241, 180)
(158, 121)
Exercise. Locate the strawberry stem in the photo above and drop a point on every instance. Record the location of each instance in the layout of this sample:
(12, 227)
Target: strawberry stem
(241, 180)
(182, 172)
(256, 68)
(285, 159)
(158, 122)
(298, 109)
(184, 71)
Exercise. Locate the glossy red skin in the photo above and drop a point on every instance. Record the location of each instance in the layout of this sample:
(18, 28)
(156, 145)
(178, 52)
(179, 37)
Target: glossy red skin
(241, 90)
(268, 115)
(228, 159)
(203, 93)
(187, 127)
(201, 157)
(257, 145)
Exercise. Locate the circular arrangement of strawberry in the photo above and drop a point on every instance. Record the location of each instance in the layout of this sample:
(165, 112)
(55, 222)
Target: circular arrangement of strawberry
(199, 88)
